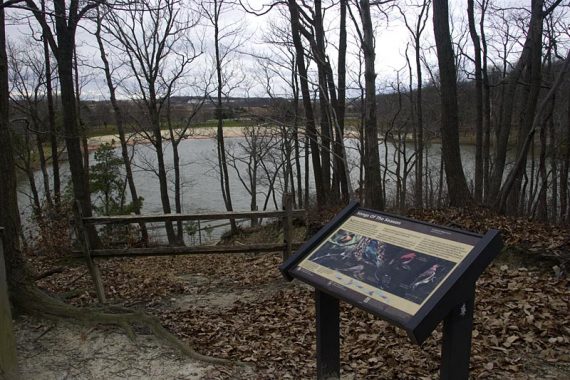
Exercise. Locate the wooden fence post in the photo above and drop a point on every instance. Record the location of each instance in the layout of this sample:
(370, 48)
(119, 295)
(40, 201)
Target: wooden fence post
(83, 239)
(287, 225)
(8, 358)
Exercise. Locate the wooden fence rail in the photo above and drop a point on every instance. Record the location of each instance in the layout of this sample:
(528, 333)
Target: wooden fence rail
(128, 219)
(83, 224)
(176, 251)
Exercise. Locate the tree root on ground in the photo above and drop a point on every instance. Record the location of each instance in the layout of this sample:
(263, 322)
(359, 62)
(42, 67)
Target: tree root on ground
(48, 273)
(31, 300)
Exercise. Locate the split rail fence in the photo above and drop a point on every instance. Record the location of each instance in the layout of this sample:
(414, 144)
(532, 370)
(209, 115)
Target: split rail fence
(83, 224)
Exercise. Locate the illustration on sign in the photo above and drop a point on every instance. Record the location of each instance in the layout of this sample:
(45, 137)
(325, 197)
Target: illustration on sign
(403, 272)
(387, 263)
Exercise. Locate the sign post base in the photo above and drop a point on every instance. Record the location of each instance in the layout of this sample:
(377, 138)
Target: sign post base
(456, 345)
(328, 336)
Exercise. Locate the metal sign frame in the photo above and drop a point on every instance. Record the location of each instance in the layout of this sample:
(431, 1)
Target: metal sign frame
(451, 301)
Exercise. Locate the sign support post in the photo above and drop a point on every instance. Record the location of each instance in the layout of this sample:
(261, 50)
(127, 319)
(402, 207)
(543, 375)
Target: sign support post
(328, 336)
(456, 344)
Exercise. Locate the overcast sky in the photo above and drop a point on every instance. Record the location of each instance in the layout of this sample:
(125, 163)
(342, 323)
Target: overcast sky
(391, 40)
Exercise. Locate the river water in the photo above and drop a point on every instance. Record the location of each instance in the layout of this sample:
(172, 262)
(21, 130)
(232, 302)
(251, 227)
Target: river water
(201, 186)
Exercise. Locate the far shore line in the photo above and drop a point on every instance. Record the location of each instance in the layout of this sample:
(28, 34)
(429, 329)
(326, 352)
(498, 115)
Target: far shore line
(199, 133)
(137, 138)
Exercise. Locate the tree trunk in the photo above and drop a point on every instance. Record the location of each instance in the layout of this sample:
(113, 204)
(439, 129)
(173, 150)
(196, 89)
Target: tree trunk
(564, 193)
(8, 357)
(534, 78)
(416, 31)
(372, 187)
(419, 128)
(519, 165)
(51, 120)
(295, 88)
(478, 190)
(458, 192)
(343, 172)
(486, 151)
(118, 114)
(27, 168)
(307, 149)
(66, 43)
(162, 177)
(311, 131)
(542, 199)
(332, 110)
(174, 141)
(533, 52)
(553, 168)
(324, 101)
(43, 168)
(550, 134)
(9, 220)
(508, 101)
(177, 191)
(222, 160)
(81, 126)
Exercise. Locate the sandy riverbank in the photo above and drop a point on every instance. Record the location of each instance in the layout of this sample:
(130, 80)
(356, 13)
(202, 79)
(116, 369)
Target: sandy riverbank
(194, 133)
(137, 138)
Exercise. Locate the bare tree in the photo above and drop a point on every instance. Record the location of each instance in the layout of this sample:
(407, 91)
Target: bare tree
(536, 126)
(529, 67)
(478, 191)
(177, 133)
(28, 97)
(564, 193)
(331, 99)
(250, 157)
(53, 133)
(9, 219)
(416, 30)
(228, 37)
(24, 294)
(373, 188)
(507, 104)
(153, 34)
(459, 194)
(280, 66)
(486, 122)
(312, 135)
(119, 121)
(66, 16)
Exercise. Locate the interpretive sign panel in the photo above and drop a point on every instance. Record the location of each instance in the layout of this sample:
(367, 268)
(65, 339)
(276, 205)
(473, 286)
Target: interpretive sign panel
(408, 272)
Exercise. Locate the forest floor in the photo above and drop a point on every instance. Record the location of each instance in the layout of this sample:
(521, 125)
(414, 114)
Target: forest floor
(239, 307)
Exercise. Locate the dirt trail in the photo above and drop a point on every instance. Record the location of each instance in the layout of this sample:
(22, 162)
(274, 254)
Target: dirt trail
(62, 350)
(221, 297)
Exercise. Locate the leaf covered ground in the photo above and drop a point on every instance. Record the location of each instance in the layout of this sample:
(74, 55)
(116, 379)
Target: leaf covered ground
(238, 307)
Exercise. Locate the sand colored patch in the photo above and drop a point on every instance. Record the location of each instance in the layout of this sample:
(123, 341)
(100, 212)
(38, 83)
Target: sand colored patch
(62, 350)
(194, 133)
